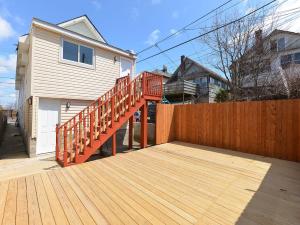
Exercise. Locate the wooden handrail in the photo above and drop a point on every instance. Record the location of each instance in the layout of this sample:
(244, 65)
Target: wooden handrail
(84, 129)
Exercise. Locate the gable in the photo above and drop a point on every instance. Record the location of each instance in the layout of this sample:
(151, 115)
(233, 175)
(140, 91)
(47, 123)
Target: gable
(82, 25)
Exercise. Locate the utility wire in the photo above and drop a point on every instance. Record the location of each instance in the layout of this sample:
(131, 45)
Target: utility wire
(183, 28)
(208, 32)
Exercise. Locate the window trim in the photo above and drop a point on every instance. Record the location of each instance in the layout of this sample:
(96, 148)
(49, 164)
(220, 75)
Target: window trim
(78, 63)
(132, 66)
(284, 41)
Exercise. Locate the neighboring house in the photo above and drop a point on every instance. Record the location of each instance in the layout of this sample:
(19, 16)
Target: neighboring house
(61, 68)
(164, 73)
(192, 82)
(281, 56)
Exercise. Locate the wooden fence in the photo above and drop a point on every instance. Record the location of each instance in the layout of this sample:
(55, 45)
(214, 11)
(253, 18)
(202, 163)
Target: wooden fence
(268, 128)
(3, 122)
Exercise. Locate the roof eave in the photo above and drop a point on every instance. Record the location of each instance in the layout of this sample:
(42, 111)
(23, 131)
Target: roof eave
(71, 34)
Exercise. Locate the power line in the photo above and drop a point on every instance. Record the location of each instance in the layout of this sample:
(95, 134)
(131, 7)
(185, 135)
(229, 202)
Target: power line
(183, 28)
(7, 78)
(208, 32)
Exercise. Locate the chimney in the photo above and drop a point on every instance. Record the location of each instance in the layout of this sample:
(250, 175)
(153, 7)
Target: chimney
(182, 64)
(258, 40)
(165, 69)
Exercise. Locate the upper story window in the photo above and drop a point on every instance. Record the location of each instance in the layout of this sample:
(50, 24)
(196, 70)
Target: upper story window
(278, 45)
(281, 44)
(77, 53)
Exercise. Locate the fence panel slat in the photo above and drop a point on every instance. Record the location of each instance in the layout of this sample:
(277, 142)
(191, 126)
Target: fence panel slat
(268, 128)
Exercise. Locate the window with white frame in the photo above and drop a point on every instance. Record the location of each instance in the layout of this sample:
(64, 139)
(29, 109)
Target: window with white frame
(77, 53)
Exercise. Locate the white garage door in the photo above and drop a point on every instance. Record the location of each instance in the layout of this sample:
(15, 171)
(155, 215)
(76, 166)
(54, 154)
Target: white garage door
(48, 117)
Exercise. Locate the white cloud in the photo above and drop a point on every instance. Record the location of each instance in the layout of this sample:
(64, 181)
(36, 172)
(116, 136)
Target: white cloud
(175, 14)
(155, 2)
(8, 63)
(173, 31)
(97, 4)
(6, 29)
(153, 37)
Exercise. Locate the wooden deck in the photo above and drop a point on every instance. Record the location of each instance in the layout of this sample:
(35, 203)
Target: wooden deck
(174, 183)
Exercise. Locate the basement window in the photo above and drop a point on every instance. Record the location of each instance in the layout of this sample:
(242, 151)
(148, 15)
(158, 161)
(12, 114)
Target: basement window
(77, 54)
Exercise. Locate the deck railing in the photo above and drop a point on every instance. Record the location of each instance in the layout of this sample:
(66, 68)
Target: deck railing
(79, 134)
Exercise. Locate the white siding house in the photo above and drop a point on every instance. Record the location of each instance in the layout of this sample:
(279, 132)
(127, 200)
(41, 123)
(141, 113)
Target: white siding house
(58, 64)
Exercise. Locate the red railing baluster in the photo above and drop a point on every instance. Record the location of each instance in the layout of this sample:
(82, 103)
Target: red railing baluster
(112, 112)
(99, 117)
(57, 150)
(71, 137)
(84, 133)
(129, 97)
(92, 118)
(76, 140)
(65, 156)
(80, 132)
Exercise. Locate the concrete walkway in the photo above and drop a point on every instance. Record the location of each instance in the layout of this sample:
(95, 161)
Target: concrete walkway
(12, 140)
(14, 161)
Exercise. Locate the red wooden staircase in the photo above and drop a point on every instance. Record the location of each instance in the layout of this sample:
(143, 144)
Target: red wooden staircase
(79, 138)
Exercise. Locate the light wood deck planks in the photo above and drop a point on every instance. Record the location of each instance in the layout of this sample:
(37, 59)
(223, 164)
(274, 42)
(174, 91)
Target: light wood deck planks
(174, 183)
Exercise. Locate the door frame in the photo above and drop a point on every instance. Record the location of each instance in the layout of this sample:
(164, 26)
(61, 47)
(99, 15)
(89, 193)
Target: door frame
(132, 66)
(37, 121)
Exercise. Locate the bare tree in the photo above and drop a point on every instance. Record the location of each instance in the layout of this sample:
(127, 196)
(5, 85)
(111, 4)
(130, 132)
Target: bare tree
(240, 52)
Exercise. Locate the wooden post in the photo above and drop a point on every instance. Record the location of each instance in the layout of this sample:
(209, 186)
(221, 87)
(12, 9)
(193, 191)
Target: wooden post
(130, 132)
(144, 125)
(76, 140)
(57, 143)
(114, 144)
(80, 131)
(112, 111)
(99, 117)
(92, 119)
(65, 146)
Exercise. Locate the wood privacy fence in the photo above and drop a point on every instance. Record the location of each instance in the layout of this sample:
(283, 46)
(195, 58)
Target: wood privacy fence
(2, 124)
(268, 128)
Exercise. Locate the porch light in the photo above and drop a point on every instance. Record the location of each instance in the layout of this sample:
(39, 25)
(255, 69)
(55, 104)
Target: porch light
(68, 105)
(115, 59)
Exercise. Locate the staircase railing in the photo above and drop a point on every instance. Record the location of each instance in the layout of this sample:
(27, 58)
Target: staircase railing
(90, 128)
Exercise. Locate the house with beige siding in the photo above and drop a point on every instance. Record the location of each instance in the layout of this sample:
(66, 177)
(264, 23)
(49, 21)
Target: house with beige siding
(61, 68)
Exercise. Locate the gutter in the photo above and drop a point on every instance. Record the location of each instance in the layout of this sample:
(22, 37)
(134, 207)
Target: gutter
(74, 35)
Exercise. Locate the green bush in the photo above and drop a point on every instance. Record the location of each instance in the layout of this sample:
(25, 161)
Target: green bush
(222, 96)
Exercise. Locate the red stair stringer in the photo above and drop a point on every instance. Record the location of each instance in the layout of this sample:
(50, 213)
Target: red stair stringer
(104, 137)
(80, 137)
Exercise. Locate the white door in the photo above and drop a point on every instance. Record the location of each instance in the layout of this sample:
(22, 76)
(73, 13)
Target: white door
(48, 117)
(126, 67)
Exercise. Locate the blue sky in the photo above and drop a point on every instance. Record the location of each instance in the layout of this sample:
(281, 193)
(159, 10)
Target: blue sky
(132, 24)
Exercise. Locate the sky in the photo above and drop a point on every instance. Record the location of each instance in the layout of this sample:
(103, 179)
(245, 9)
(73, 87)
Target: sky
(130, 25)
